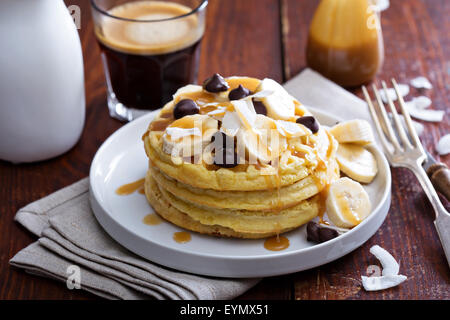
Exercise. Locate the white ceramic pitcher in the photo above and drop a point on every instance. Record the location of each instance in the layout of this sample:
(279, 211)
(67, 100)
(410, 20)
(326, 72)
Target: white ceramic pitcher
(42, 97)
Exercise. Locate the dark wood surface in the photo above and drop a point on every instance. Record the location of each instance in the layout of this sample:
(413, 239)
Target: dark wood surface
(266, 38)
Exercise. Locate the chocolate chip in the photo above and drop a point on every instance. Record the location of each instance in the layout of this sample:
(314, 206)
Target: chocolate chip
(318, 234)
(221, 141)
(260, 108)
(238, 93)
(312, 232)
(309, 122)
(216, 83)
(225, 158)
(184, 108)
(326, 234)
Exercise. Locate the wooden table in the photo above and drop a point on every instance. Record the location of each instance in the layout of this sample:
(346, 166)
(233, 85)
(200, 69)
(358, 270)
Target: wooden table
(266, 38)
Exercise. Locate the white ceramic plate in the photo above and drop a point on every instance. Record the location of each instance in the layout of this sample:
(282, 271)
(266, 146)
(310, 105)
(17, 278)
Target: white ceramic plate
(121, 159)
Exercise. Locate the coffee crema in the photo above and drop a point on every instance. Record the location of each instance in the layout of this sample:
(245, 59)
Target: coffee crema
(152, 35)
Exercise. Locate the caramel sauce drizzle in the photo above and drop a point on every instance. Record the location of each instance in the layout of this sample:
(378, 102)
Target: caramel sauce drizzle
(249, 83)
(201, 98)
(323, 195)
(152, 219)
(182, 237)
(160, 124)
(276, 243)
(129, 188)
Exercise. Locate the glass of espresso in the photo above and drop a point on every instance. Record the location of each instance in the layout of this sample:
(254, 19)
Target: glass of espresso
(149, 50)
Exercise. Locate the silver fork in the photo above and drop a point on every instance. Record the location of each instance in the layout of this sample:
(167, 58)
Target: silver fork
(404, 149)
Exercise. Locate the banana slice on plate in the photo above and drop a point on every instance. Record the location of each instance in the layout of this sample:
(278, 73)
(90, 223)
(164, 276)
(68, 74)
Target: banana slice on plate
(357, 162)
(353, 131)
(280, 104)
(347, 204)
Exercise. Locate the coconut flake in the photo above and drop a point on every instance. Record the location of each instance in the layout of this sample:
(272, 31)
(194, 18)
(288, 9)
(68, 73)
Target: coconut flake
(421, 83)
(443, 146)
(291, 129)
(246, 112)
(421, 102)
(390, 266)
(230, 123)
(424, 114)
(260, 94)
(389, 278)
(402, 88)
(176, 133)
(381, 283)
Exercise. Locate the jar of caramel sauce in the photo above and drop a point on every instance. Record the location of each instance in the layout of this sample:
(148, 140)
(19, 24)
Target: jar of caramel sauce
(345, 42)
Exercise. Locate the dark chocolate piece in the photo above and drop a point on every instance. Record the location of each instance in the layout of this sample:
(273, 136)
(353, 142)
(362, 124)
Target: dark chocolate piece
(238, 93)
(309, 122)
(184, 108)
(215, 83)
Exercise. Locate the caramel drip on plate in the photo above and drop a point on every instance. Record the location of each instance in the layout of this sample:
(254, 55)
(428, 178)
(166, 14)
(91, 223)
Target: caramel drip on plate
(276, 243)
(182, 237)
(141, 190)
(152, 219)
(129, 188)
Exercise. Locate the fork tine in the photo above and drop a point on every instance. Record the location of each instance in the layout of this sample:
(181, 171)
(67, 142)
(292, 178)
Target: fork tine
(396, 119)
(386, 122)
(376, 120)
(411, 129)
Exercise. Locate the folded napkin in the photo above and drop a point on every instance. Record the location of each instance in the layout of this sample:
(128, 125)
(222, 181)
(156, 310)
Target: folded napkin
(69, 234)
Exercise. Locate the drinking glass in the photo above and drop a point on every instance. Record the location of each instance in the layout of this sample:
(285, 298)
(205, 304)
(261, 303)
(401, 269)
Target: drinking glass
(149, 49)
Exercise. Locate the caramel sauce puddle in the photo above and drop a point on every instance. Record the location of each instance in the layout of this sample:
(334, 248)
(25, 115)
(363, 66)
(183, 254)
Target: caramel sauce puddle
(152, 219)
(182, 237)
(129, 188)
(276, 243)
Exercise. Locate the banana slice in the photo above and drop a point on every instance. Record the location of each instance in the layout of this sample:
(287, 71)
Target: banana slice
(357, 162)
(347, 203)
(353, 131)
(189, 135)
(190, 88)
(280, 104)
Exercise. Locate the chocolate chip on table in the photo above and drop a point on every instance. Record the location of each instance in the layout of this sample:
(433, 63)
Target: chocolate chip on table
(260, 108)
(238, 93)
(221, 141)
(225, 158)
(184, 108)
(216, 83)
(318, 234)
(309, 122)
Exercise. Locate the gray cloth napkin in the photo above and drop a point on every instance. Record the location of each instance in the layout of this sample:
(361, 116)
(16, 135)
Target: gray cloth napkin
(70, 235)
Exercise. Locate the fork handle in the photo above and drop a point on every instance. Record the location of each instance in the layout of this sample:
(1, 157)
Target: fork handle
(442, 221)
